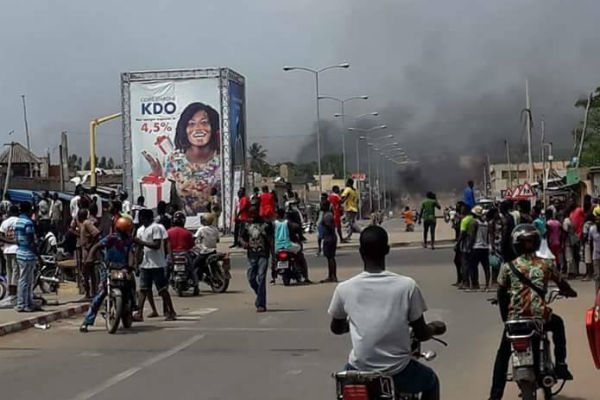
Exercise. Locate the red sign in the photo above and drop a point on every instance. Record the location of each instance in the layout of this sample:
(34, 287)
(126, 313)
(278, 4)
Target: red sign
(508, 194)
(359, 176)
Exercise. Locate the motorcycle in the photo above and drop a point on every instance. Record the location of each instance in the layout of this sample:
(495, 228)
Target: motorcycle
(48, 274)
(217, 273)
(287, 267)
(532, 364)
(119, 303)
(376, 385)
(3, 287)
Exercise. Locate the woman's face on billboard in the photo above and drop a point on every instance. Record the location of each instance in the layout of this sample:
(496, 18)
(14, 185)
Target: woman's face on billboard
(198, 129)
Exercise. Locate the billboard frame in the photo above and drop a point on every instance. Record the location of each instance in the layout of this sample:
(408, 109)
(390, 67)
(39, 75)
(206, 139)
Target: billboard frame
(224, 75)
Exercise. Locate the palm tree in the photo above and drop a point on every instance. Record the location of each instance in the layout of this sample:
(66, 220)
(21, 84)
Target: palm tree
(257, 155)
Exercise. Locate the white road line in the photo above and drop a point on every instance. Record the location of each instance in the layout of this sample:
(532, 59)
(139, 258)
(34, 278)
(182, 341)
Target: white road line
(134, 370)
(202, 329)
(203, 311)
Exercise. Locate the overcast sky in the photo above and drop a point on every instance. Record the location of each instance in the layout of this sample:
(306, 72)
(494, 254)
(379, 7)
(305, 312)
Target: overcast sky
(446, 76)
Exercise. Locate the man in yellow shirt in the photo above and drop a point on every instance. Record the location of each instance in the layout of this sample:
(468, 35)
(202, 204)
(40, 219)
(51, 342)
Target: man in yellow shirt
(350, 200)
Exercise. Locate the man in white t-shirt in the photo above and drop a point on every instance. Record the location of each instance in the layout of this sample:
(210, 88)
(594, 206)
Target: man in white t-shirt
(74, 203)
(378, 308)
(7, 235)
(152, 237)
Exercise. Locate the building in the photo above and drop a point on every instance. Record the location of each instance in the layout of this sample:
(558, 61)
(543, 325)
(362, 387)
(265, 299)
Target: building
(24, 164)
(501, 175)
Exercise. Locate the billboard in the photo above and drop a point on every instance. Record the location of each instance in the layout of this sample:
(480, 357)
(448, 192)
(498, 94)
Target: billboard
(178, 138)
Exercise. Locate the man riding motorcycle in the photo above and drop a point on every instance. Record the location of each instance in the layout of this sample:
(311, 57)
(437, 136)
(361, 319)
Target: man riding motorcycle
(181, 240)
(517, 299)
(117, 252)
(288, 238)
(379, 308)
(207, 238)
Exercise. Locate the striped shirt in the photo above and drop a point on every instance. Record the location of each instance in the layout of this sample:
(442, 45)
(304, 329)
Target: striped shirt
(25, 238)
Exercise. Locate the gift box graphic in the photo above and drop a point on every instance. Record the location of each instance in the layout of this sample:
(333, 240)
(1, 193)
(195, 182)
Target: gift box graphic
(154, 189)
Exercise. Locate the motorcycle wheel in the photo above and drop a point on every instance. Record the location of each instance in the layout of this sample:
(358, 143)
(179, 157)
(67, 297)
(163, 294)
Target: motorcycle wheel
(528, 390)
(45, 286)
(127, 317)
(113, 314)
(219, 283)
(3, 290)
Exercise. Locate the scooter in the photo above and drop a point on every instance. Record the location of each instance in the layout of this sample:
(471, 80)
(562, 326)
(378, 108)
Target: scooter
(287, 267)
(376, 385)
(47, 276)
(532, 364)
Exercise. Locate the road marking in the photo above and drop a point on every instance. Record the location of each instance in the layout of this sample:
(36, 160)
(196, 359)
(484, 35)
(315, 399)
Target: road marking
(134, 370)
(203, 311)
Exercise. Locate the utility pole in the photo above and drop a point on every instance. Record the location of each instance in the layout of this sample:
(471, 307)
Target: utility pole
(529, 123)
(26, 131)
(585, 118)
(510, 181)
(8, 169)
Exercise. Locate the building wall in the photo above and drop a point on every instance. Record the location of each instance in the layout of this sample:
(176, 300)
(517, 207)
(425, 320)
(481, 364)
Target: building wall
(499, 174)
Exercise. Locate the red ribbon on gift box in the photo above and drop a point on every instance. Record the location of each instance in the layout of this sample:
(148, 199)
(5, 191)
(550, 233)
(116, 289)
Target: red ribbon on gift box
(154, 180)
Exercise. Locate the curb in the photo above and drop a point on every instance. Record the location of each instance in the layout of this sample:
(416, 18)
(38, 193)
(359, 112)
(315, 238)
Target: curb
(15, 326)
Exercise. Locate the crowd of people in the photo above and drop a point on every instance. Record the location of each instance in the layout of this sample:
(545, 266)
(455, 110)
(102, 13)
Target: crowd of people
(265, 227)
(569, 236)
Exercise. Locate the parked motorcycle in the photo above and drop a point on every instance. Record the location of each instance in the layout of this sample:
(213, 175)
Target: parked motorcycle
(3, 287)
(532, 364)
(217, 274)
(47, 275)
(120, 285)
(287, 267)
(375, 385)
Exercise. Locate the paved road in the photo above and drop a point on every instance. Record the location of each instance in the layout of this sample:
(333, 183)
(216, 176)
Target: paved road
(221, 349)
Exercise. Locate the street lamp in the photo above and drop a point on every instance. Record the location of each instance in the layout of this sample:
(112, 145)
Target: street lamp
(380, 152)
(358, 139)
(316, 72)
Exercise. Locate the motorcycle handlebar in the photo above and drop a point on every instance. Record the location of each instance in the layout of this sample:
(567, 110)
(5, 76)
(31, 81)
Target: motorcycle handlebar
(438, 327)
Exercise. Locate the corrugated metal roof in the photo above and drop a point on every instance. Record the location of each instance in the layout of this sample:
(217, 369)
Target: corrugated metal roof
(20, 155)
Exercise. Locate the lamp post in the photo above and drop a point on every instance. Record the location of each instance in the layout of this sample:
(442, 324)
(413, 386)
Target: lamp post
(380, 153)
(316, 73)
(93, 125)
(341, 114)
(369, 164)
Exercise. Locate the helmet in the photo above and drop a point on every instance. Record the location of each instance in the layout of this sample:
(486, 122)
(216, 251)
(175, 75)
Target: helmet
(207, 219)
(179, 216)
(124, 225)
(526, 239)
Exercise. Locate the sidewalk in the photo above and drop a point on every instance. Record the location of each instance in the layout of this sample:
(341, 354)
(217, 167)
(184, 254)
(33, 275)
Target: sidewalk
(63, 305)
(395, 228)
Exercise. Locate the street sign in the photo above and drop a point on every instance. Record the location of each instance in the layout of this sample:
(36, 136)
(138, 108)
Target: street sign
(359, 176)
(508, 194)
(526, 191)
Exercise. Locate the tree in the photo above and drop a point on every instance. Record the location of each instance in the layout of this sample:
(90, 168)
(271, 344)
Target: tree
(590, 155)
(258, 154)
(79, 162)
(110, 164)
(87, 165)
(102, 163)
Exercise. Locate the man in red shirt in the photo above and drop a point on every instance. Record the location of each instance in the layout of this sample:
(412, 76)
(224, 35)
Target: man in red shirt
(336, 204)
(180, 239)
(267, 204)
(242, 216)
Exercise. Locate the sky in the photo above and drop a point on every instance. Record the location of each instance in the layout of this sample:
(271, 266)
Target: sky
(447, 77)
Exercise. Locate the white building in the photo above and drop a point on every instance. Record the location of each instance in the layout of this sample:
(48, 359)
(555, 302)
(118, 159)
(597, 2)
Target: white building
(501, 175)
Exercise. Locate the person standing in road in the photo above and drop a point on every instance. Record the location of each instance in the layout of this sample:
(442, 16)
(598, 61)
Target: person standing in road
(427, 216)
(336, 206)
(329, 246)
(96, 199)
(257, 238)
(554, 234)
(469, 195)
(480, 253)
(162, 217)
(25, 238)
(324, 207)
(89, 234)
(571, 242)
(7, 235)
(152, 236)
(214, 205)
(125, 203)
(74, 203)
(4, 207)
(350, 201)
(267, 204)
(242, 216)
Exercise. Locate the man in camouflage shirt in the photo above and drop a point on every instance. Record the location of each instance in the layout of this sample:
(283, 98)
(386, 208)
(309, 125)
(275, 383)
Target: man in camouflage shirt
(518, 300)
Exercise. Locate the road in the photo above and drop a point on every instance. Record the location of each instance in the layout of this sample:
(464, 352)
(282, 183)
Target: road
(220, 348)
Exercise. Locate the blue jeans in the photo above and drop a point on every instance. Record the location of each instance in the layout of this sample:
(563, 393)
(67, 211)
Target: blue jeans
(97, 301)
(25, 286)
(257, 278)
(415, 378)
